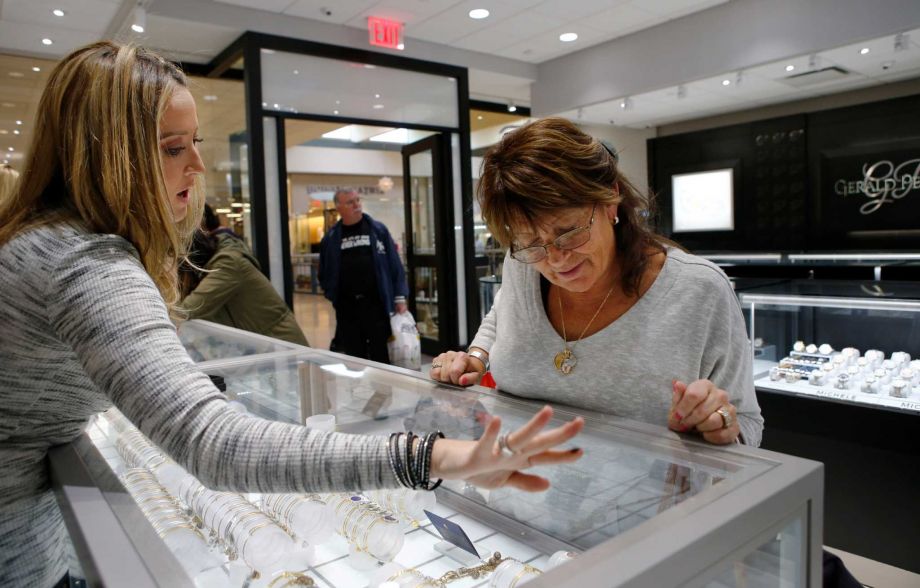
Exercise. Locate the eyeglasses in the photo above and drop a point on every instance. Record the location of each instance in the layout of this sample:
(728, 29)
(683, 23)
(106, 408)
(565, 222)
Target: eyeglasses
(570, 240)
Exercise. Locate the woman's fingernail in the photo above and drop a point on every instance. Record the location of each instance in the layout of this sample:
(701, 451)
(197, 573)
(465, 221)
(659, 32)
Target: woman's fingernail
(575, 450)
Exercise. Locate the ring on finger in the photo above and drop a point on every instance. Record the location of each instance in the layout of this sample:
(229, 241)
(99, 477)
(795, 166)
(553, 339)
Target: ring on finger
(727, 419)
(436, 366)
(503, 445)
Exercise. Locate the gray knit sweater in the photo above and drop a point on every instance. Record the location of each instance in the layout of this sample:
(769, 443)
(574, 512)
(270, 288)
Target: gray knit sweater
(688, 325)
(82, 326)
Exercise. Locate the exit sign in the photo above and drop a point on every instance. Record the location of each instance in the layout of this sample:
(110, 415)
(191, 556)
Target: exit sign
(383, 32)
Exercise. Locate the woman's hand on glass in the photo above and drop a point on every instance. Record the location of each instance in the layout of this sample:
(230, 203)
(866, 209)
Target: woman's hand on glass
(485, 464)
(457, 367)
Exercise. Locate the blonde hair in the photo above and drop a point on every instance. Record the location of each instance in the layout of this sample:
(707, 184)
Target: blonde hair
(550, 164)
(8, 177)
(95, 157)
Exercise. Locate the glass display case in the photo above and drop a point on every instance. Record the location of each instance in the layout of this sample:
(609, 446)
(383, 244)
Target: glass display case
(853, 342)
(206, 341)
(643, 507)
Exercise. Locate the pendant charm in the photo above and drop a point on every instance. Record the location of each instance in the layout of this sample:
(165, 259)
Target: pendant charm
(565, 361)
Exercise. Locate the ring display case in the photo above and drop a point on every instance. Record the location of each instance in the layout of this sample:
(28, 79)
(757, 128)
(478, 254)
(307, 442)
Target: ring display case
(644, 506)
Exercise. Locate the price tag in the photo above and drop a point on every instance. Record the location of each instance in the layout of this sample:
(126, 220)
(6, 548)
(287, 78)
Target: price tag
(452, 533)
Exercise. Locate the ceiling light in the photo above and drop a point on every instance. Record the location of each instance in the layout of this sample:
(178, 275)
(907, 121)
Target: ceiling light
(338, 101)
(346, 133)
(378, 106)
(15, 131)
(626, 103)
(58, 12)
(16, 74)
(479, 13)
(864, 51)
(512, 107)
(568, 37)
(3, 131)
(335, 112)
(369, 66)
(36, 69)
(296, 72)
(9, 148)
(376, 95)
(47, 41)
(401, 46)
(276, 105)
(139, 23)
(479, 117)
(210, 98)
(790, 67)
(726, 82)
(18, 122)
(394, 136)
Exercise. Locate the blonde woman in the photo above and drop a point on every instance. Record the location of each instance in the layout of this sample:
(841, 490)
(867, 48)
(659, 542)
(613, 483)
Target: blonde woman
(88, 254)
(8, 178)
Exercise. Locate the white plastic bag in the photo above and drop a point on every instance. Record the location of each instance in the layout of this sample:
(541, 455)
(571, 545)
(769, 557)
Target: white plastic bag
(404, 345)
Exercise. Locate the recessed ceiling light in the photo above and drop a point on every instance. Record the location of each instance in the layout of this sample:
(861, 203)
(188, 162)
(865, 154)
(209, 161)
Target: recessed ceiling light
(18, 122)
(16, 74)
(210, 98)
(479, 13)
(276, 105)
(58, 12)
(479, 117)
(376, 95)
(568, 37)
(3, 131)
(790, 67)
(369, 66)
(296, 72)
(512, 108)
(726, 82)
(47, 41)
(335, 112)
(36, 69)
(9, 148)
(401, 46)
(15, 131)
(378, 106)
(338, 101)
(864, 51)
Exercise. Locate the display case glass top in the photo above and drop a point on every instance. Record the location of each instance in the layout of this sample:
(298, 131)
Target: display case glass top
(207, 341)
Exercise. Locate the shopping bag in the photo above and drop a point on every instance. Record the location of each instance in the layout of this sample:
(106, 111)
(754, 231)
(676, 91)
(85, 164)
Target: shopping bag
(404, 344)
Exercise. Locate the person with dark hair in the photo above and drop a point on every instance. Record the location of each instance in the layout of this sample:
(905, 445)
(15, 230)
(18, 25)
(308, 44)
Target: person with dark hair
(222, 283)
(226, 237)
(596, 310)
(363, 277)
(89, 246)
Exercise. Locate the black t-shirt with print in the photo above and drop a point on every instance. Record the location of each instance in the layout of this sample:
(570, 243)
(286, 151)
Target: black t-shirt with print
(357, 276)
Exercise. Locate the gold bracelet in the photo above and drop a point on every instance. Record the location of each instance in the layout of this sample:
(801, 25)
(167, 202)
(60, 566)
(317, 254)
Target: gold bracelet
(347, 516)
(294, 579)
(252, 532)
(354, 527)
(384, 518)
(524, 570)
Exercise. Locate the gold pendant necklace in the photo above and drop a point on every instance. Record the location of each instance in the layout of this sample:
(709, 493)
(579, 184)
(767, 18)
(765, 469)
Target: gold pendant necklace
(565, 361)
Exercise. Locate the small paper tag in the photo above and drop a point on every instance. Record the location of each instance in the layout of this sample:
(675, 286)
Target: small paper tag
(452, 533)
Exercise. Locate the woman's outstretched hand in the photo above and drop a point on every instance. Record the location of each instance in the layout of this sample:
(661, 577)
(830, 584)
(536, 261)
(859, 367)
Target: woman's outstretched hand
(484, 464)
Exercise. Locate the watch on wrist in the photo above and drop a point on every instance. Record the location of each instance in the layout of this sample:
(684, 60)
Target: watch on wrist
(481, 356)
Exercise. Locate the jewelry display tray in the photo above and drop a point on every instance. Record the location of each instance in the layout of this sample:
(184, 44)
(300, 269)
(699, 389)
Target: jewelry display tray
(643, 507)
(863, 315)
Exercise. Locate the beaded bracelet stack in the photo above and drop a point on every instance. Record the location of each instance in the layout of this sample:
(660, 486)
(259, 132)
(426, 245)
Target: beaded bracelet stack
(411, 461)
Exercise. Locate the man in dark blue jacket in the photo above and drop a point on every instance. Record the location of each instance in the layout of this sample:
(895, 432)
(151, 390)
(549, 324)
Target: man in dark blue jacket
(362, 275)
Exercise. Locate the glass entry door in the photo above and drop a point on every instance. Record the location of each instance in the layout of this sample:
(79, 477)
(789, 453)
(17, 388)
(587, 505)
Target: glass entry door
(429, 243)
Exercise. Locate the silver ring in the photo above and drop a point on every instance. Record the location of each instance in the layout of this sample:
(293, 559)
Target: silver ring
(436, 366)
(726, 414)
(503, 445)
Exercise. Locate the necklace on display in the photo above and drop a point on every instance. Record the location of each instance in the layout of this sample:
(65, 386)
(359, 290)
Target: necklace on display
(565, 361)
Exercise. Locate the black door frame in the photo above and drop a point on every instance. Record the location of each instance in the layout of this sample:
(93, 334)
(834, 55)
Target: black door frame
(445, 249)
(249, 47)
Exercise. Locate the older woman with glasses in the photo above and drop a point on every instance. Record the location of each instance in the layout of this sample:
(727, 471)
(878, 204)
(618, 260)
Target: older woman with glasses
(595, 309)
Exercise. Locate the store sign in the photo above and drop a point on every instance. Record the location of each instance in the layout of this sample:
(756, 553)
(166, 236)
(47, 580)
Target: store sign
(881, 182)
(870, 196)
(383, 32)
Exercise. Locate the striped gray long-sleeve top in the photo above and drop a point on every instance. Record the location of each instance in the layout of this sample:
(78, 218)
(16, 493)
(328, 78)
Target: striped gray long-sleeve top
(82, 326)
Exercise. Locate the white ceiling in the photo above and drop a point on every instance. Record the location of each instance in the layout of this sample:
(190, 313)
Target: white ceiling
(522, 32)
(762, 85)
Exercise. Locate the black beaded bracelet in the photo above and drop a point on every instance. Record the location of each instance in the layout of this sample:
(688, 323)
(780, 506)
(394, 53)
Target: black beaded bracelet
(412, 464)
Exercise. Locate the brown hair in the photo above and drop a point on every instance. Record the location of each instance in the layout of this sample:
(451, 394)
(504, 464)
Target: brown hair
(551, 164)
(95, 157)
(8, 179)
